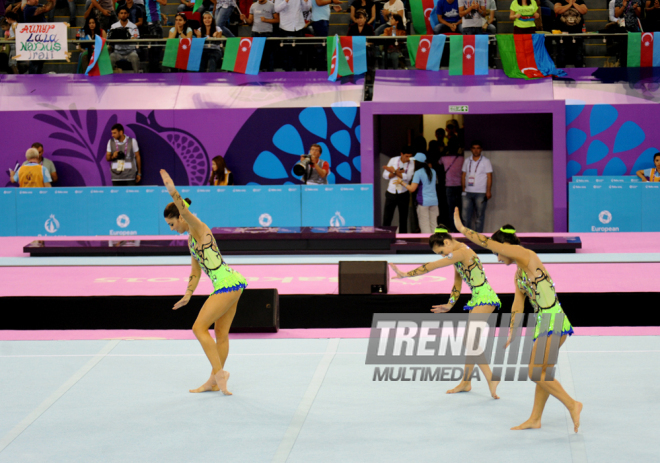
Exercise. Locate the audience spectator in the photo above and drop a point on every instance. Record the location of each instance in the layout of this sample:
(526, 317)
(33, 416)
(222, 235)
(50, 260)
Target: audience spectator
(321, 15)
(391, 7)
(135, 13)
(106, 12)
(652, 12)
(189, 6)
(427, 199)
(476, 181)
(450, 20)
(369, 8)
(292, 24)
(154, 30)
(490, 22)
(651, 174)
(570, 19)
(393, 50)
(212, 54)
(223, 11)
(180, 29)
(524, 13)
(47, 163)
(360, 26)
(630, 11)
(123, 51)
(123, 154)
(89, 31)
(220, 175)
(31, 174)
(34, 13)
(316, 171)
(434, 158)
(397, 196)
(452, 163)
(473, 13)
(262, 18)
(11, 21)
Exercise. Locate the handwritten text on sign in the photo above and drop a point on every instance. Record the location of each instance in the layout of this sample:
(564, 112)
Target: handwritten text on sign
(45, 41)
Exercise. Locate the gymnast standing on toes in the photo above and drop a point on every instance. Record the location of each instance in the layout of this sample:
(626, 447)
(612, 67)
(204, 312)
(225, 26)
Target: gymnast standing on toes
(228, 285)
(533, 281)
(468, 268)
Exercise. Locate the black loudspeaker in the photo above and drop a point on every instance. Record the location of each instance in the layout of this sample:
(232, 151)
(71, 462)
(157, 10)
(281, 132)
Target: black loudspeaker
(258, 311)
(363, 277)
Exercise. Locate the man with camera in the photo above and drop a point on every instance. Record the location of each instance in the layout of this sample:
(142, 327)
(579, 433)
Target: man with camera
(124, 157)
(124, 29)
(313, 170)
(398, 168)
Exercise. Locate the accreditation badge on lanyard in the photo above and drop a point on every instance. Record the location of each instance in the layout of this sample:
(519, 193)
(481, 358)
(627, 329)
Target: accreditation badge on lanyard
(472, 175)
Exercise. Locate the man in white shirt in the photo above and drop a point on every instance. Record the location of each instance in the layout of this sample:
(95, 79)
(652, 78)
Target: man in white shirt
(477, 180)
(122, 51)
(292, 24)
(398, 168)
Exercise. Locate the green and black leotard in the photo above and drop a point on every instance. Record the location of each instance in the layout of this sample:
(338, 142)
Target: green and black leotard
(475, 278)
(224, 278)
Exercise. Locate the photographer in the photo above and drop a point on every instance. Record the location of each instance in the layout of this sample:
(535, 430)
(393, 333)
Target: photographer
(124, 157)
(316, 171)
(124, 30)
(398, 169)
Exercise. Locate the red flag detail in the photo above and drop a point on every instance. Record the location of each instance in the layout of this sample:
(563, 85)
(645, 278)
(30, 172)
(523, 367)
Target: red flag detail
(347, 49)
(525, 55)
(646, 52)
(243, 54)
(183, 54)
(423, 50)
(428, 6)
(468, 55)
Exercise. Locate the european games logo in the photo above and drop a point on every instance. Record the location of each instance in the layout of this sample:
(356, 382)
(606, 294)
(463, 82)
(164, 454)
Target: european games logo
(605, 217)
(337, 220)
(265, 220)
(123, 221)
(52, 224)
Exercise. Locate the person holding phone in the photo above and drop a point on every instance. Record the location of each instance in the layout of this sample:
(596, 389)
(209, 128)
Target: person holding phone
(123, 154)
(399, 168)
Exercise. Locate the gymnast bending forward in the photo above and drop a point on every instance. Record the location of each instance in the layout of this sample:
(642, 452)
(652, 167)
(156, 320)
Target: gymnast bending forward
(468, 268)
(532, 280)
(220, 308)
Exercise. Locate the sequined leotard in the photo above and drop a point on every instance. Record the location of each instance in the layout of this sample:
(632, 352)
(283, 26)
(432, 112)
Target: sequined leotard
(224, 278)
(543, 297)
(475, 278)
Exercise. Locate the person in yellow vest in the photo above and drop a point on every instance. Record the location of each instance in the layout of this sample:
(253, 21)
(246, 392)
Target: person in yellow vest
(32, 174)
(220, 175)
(652, 174)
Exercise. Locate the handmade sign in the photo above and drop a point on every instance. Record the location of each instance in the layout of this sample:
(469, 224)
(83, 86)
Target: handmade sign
(41, 41)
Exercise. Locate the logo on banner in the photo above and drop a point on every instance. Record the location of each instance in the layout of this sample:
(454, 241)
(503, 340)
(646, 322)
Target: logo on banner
(605, 217)
(52, 224)
(123, 221)
(265, 220)
(337, 220)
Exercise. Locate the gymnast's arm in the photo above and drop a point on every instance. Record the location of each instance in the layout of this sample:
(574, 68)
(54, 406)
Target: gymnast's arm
(517, 308)
(193, 281)
(453, 297)
(426, 268)
(197, 227)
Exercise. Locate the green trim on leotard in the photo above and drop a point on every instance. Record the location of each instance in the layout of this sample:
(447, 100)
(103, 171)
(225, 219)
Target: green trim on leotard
(543, 297)
(223, 277)
(475, 278)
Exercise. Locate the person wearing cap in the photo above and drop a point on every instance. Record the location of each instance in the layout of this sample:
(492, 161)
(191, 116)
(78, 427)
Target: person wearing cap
(32, 174)
(476, 181)
(397, 196)
(427, 197)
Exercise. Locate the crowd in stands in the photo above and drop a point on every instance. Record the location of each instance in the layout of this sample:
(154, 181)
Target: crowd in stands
(128, 19)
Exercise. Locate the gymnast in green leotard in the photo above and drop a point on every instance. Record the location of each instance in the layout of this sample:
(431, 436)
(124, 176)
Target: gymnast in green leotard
(220, 308)
(533, 281)
(468, 268)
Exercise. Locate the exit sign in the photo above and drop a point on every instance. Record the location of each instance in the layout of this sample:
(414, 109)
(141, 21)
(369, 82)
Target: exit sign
(458, 109)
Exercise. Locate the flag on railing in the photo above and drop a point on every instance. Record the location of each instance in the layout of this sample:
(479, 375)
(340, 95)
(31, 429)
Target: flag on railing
(644, 50)
(468, 55)
(421, 14)
(426, 51)
(184, 53)
(243, 54)
(99, 62)
(346, 56)
(198, 3)
(524, 56)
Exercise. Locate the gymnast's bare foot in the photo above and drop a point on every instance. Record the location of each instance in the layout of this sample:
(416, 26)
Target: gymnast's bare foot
(493, 386)
(575, 415)
(221, 379)
(464, 386)
(209, 385)
(529, 424)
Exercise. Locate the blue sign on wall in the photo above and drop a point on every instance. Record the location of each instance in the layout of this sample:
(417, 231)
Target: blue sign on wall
(264, 206)
(605, 207)
(651, 207)
(8, 207)
(123, 211)
(51, 211)
(337, 206)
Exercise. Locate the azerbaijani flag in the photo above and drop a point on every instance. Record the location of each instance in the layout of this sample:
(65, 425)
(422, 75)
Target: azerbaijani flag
(243, 54)
(184, 53)
(524, 56)
(468, 55)
(198, 3)
(426, 51)
(644, 50)
(99, 62)
(338, 65)
(421, 15)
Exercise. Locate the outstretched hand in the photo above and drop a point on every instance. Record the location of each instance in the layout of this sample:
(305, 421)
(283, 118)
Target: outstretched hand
(457, 221)
(167, 180)
(441, 308)
(509, 339)
(399, 273)
(182, 302)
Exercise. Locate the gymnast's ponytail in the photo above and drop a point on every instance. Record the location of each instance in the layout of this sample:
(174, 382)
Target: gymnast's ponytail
(506, 234)
(438, 238)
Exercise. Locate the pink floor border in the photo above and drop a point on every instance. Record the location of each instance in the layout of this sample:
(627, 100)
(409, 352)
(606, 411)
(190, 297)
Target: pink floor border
(343, 333)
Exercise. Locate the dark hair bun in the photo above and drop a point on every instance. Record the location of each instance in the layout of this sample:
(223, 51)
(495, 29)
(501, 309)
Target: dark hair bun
(188, 200)
(508, 226)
